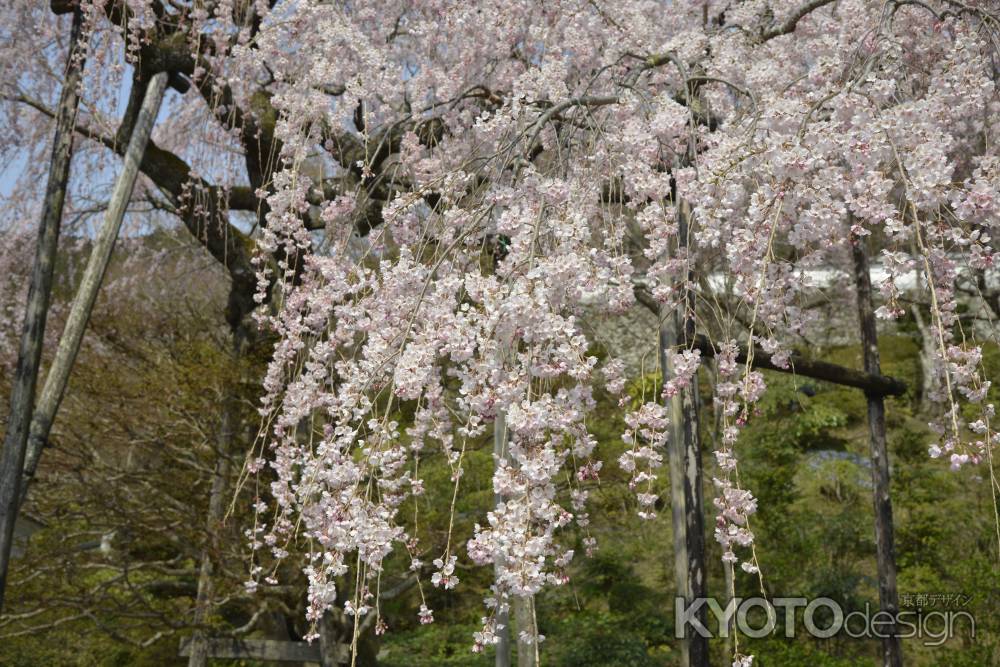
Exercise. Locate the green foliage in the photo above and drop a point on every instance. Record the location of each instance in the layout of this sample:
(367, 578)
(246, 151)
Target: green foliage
(806, 458)
(445, 644)
(781, 652)
(602, 640)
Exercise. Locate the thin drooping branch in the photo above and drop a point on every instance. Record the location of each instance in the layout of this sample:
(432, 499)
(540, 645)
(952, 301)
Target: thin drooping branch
(93, 276)
(29, 357)
(553, 112)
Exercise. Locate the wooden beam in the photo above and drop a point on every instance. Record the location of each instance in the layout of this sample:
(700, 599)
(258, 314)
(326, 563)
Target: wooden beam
(60, 7)
(875, 383)
(260, 649)
(872, 383)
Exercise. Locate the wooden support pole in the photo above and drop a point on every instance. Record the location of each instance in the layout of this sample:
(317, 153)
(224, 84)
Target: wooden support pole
(522, 606)
(503, 616)
(335, 639)
(684, 458)
(892, 652)
(875, 385)
(675, 462)
(524, 616)
(93, 275)
(22, 395)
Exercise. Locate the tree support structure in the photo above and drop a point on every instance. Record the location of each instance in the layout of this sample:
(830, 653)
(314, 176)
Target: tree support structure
(22, 398)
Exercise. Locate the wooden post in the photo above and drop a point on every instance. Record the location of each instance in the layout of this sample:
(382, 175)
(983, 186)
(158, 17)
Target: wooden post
(892, 654)
(503, 616)
(685, 462)
(729, 598)
(675, 461)
(522, 606)
(524, 614)
(22, 396)
(684, 457)
(334, 641)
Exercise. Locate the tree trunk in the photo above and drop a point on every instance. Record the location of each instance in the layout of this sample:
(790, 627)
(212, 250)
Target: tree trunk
(22, 396)
(226, 446)
(892, 655)
(93, 275)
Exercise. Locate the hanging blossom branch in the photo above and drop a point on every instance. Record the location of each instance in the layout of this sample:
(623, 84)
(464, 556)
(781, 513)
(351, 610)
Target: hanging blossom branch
(491, 198)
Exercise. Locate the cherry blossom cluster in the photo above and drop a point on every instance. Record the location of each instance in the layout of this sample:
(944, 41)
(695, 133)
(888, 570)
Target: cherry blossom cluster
(647, 437)
(734, 504)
